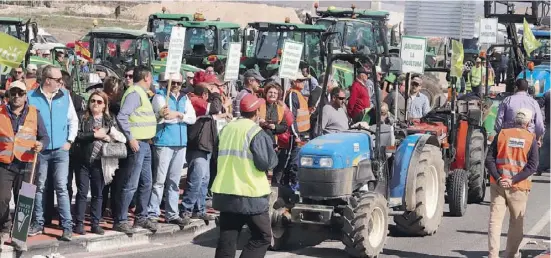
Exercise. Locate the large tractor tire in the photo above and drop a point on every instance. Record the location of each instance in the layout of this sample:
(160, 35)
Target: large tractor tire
(458, 184)
(430, 180)
(432, 88)
(280, 229)
(477, 170)
(365, 226)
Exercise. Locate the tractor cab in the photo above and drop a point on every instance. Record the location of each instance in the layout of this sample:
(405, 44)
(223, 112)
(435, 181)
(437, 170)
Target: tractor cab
(161, 25)
(263, 44)
(113, 49)
(208, 41)
(537, 71)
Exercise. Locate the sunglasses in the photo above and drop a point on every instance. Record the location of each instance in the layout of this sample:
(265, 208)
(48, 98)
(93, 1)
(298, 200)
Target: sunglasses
(17, 93)
(18, 72)
(58, 80)
(96, 101)
(129, 76)
(341, 98)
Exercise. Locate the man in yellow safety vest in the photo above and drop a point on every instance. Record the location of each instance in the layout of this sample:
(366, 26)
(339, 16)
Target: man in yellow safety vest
(477, 76)
(241, 189)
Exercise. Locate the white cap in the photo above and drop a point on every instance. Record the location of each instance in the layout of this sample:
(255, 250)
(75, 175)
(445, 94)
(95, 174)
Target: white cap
(31, 67)
(19, 85)
(378, 69)
(523, 116)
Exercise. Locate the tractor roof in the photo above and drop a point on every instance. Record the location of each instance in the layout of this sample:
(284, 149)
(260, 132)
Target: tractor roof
(542, 34)
(204, 24)
(172, 16)
(116, 32)
(10, 20)
(280, 26)
(360, 13)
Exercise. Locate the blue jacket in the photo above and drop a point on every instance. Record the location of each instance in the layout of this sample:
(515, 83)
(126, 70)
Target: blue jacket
(173, 135)
(54, 117)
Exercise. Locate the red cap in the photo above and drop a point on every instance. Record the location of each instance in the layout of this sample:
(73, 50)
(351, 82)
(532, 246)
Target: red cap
(212, 79)
(250, 103)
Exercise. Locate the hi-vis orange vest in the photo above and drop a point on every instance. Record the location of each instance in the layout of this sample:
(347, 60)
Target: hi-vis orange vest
(17, 145)
(303, 115)
(513, 146)
(280, 111)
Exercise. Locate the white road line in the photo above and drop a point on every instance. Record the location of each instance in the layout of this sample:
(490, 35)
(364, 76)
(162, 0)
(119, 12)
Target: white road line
(536, 228)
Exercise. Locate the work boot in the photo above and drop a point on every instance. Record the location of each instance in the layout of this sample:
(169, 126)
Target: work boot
(96, 229)
(35, 229)
(147, 224)
(67, 235)
(203, 216)
(79, 229)
(181, 222)
(123, 227)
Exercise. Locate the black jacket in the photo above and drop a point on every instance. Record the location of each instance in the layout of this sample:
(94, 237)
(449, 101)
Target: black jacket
(203, 134)
(84, 143)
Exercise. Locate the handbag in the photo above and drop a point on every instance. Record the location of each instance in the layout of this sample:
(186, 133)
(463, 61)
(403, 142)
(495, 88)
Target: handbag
(114, 150)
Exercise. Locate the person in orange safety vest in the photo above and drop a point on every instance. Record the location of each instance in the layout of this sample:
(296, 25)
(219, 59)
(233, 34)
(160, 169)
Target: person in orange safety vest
(512, 159)
(22, 135)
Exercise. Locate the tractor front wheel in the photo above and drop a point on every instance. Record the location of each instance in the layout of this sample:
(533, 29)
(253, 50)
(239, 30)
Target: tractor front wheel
(430, 180)
(365, 225)
(457, 192)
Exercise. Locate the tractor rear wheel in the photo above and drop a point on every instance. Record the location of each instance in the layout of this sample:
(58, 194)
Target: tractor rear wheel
(477, 170)
(430, 180)
(458, 184)
(365, 227)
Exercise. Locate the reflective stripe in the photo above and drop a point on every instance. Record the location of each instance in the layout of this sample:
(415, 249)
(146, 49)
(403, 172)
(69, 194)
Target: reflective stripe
(143, 113)
(25, 136)
(6, 139)
(237, 153)
(507, 161)
(301, 112)
(6, 153)
(302, 123)
(18, 148)
(142, 124)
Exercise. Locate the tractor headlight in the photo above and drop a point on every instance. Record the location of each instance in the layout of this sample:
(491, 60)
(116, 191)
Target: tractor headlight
(326, 162)
(306, 161)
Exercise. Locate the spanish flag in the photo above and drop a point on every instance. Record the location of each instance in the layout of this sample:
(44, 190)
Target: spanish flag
(528, 40)
(82, 51)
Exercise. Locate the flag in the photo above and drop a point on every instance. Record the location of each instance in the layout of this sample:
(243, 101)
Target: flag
(82, 51)
(12, 50)
(457, 59)
(528, 40)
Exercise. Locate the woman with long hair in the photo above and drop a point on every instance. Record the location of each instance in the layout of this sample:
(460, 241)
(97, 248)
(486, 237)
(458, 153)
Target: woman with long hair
(98, 126)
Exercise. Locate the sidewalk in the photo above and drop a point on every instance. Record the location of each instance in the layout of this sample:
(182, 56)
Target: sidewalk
(48, 243)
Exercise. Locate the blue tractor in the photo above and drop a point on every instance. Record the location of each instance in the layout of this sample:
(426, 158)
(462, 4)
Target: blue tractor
(350, 182)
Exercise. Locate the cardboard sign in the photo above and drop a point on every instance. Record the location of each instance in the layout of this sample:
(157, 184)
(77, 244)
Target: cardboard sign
(175, 50)
(23, 213)
(290, 59)
(412, 52)
(233, 62)
(488, 31)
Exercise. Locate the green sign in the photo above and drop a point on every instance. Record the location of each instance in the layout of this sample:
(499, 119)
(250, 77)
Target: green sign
(23, 213)
(12, 50)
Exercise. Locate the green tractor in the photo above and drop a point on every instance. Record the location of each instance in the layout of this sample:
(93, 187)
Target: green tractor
(161, 25)
(263, 43)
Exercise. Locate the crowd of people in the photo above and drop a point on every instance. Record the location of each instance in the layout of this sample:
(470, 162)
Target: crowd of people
(127, 144)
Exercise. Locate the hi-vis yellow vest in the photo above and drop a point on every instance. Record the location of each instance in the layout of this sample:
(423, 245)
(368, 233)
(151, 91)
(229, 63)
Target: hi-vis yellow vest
(143, 123)
(236, 172)
(475, 77)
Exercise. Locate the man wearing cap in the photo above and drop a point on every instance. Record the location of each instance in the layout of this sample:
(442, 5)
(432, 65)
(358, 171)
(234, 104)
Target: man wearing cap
(189, 82)
(241, 189)
(476, 76)
(397, 102)
(23, 134)
(418, 103)
(371, 86)
(30, 77)
(359, 96)
(511, 160)
(169, 150)
(511, 104)
(251, 80)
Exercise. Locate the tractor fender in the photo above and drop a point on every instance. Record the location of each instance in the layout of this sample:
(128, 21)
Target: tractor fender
(402, 189)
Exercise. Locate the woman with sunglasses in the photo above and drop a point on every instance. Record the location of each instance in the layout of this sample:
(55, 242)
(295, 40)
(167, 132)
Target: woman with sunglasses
(98, 126)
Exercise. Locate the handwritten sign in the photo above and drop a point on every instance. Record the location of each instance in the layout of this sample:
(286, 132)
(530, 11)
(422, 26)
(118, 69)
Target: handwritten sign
(290, 59)
(488, 31)
(412, 52)
(232, 63)
(175, 50)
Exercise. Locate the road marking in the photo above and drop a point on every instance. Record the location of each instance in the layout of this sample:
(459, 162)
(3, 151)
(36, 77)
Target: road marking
(536, 228)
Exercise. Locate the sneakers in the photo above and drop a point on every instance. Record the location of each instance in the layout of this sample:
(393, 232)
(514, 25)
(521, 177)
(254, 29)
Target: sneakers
(146, 223)
(96, 229)
(182, 222)
(67, 235)
(204, 216)
(35, 230)
(79, 229)
(123, 227)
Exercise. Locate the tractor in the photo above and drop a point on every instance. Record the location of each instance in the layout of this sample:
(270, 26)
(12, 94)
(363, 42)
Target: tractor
(263, 43)
(161, 25)
(22, 30)
(351, 181)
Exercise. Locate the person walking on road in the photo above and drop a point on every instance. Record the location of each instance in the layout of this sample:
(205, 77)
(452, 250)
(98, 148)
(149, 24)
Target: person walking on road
(169, 150)
(510, 105)
(241, 189)
(23, 134)
(512, 159)
(60, 119)
(139, 124)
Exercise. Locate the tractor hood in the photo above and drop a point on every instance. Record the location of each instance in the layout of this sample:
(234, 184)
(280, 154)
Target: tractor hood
(336, 150)
(539, 78)
(159, 66)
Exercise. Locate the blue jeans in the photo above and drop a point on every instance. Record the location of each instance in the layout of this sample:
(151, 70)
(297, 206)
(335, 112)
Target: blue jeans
(197, 182)
(59, 159)
(544, 151)
(138, 178)
(168, 171)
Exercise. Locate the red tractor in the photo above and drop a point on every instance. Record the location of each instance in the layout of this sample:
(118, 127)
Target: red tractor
(458, 126)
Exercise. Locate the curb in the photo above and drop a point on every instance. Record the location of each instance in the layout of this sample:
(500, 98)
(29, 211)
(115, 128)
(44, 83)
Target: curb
(111, 240)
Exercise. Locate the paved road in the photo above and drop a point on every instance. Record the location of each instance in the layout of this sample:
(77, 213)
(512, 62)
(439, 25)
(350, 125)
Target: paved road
(457, 237)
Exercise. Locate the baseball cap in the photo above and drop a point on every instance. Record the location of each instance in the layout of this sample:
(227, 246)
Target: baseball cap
(32, 67)
(18, 85)
(163, 77)
(253, 73)
(418, 80)
(478, 60)
(212, 79)
(378, 69)
(300, 76)
(362, 70)
(250, 103)
(190, 75)
(524, 114)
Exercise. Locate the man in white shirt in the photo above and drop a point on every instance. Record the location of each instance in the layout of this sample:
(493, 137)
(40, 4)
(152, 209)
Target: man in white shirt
(169, 150)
